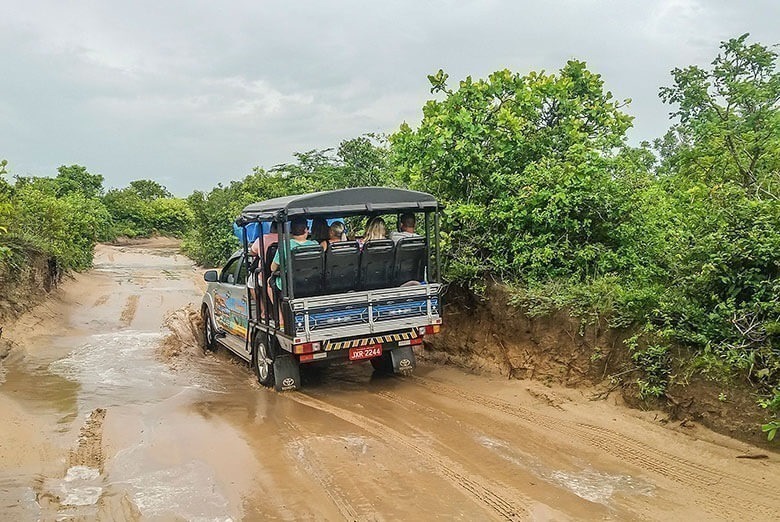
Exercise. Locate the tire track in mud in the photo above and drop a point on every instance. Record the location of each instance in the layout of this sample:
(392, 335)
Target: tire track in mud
(128, 312)
(100, 301)
(330, 483)
(89, 451)
(493, 498)
(85, 479)
(630, 450)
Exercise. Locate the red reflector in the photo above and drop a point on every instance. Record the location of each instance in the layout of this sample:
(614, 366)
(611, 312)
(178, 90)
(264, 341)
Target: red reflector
(416, 341)
(307, 357)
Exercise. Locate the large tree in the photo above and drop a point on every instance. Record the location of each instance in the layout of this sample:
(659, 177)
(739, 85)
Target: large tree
(728, 122)
(76, 179)
(527, 165)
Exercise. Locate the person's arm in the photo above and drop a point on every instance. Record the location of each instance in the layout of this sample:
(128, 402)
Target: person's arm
(324, 245)
(255, 248)
(275, 262)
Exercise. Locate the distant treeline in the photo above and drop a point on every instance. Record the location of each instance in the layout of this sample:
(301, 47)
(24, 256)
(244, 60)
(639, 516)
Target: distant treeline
(678, 239)
(64, 216)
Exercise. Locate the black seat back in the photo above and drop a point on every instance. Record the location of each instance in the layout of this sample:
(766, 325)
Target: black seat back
(270, 253)
(376, 264)
(342, 266)
(306, 263)
(409, 260)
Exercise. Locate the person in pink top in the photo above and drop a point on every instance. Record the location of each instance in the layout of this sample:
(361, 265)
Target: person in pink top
(268, 240)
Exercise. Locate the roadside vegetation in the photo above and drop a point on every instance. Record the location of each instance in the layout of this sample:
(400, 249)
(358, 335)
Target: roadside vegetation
(62, 217)
(677, 241)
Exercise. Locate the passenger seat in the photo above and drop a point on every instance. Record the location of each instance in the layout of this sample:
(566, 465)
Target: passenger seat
(342, 267)
(306, 264)
(410, 260)
(376, 264)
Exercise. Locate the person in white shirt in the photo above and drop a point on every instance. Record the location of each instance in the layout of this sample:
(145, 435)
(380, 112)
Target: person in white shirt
(406, 225)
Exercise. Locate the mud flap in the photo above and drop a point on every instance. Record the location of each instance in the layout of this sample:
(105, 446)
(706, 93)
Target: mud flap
(403, 360)
(287, 373)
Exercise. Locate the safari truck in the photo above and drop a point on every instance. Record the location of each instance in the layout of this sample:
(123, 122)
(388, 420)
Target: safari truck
(354, 300)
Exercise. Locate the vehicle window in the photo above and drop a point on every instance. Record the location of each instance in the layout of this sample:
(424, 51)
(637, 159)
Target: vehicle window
(241, 278)
(228, 274)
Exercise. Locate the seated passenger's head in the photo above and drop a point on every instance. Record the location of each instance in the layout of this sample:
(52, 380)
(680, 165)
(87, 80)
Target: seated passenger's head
(376, 229)
(336, 230)
(299, 227)
(319, 229)
(407, 222)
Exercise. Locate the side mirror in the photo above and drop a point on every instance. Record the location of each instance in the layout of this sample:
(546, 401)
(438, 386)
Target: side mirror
(210, 276)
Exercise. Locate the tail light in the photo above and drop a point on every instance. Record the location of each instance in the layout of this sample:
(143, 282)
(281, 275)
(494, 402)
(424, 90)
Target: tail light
(429, 329)
(432, 329)
(307, 347)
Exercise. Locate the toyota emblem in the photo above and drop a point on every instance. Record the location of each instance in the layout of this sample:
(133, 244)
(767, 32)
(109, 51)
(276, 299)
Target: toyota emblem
(289, 382)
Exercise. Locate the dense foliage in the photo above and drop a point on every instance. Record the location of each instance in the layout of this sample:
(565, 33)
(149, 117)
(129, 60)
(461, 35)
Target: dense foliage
(61, 216)
(720, 170)
(64, 216)
(682, 242)
(533, 173)
(145, 208)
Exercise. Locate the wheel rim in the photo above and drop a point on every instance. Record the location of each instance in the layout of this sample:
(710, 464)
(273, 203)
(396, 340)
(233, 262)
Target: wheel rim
(263, 366)
(209, 333)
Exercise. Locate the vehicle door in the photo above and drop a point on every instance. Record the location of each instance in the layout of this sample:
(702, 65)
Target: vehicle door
(230, 298)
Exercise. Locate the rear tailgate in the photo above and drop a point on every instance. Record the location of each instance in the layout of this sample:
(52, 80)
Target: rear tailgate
(359, 313)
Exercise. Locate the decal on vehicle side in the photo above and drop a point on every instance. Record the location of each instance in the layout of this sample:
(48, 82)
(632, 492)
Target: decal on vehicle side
(231, 314)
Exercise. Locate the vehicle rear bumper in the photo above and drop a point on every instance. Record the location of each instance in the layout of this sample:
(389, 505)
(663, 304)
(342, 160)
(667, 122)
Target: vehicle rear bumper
(354, 349)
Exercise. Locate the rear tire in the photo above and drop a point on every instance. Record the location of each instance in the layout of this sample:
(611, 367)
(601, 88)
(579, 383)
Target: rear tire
(383, 363)
(262, 360)
(209, 332)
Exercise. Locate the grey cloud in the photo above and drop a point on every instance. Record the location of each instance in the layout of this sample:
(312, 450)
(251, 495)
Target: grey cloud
(197, 93)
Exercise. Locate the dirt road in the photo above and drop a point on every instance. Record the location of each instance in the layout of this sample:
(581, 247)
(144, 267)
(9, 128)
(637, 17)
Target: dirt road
(103, 420)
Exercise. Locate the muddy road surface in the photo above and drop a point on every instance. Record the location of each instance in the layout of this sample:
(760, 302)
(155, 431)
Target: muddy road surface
(107, 417)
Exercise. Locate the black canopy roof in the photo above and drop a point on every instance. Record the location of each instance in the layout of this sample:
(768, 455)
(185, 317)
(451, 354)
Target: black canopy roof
(344, 202)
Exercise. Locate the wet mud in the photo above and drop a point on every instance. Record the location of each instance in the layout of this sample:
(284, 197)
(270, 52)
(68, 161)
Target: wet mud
(112, 411)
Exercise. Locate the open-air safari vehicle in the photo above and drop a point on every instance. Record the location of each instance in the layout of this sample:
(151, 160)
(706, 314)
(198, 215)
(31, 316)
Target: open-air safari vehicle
(371, 301)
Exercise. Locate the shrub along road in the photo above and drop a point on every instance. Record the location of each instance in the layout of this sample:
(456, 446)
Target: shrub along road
(105, 417)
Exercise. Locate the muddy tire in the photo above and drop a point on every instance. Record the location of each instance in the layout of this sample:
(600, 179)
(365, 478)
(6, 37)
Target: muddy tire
(263, 360)
(383, 363)
(209, 331)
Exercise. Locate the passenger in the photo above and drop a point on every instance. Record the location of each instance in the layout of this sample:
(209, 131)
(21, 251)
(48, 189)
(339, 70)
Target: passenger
(376, 229)
(268, 240)
(336, 231)
(319, 230)
(300, 231)
(406, 226)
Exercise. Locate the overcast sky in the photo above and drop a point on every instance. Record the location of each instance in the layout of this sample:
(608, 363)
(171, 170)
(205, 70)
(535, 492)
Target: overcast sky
(196, 93)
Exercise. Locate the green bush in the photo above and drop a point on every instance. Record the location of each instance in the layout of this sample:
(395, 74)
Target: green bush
(60, 216)
(146, 208)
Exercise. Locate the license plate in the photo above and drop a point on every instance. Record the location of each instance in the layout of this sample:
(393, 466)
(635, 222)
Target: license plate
(365, 352)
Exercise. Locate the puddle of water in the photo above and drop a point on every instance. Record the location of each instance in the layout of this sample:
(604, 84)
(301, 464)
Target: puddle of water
(18, 501)
(589, 484)
(28, 381)
(118, 368)
(599, 487)
(79, 486)
(189, 491)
